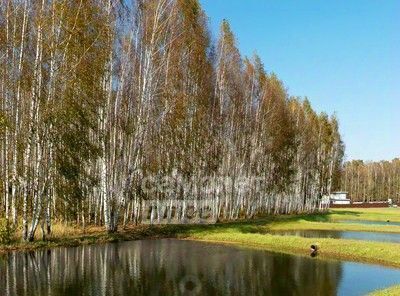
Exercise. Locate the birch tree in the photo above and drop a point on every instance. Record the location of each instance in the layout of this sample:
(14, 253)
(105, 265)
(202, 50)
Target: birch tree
(97, 96)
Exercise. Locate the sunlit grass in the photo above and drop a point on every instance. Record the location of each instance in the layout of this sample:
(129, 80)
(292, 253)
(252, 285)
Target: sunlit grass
(355, 250)
(301, 224)
(392, 291)
(373, 214)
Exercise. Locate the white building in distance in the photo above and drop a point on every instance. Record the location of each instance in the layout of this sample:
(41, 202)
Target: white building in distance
(339, 198)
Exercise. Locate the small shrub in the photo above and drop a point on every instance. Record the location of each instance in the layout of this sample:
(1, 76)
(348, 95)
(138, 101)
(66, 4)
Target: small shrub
(7, 232)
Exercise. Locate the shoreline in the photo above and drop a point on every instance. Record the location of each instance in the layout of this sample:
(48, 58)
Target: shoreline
(251, 234)
(303, 250)
(96, 237)
(247, 233)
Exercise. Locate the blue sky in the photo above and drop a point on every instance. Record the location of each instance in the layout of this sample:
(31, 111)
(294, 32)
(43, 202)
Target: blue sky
(343, 55)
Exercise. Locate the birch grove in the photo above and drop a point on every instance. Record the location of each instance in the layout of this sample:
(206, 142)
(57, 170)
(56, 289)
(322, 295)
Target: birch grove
(100, 98)
(372, 181)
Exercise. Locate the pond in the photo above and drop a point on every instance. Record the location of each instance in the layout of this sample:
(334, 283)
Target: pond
(173, 267)
(358, 235)
(368, 222)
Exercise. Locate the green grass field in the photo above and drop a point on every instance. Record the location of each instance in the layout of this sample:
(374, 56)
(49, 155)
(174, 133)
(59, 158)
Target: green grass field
(392, 291)
(372, 214)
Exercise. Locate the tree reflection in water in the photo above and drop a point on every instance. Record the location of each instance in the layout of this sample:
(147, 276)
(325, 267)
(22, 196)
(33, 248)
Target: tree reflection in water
(165, 267)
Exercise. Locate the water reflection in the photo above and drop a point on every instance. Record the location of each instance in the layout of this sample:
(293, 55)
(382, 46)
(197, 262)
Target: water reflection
(171, 267)
(358, 235)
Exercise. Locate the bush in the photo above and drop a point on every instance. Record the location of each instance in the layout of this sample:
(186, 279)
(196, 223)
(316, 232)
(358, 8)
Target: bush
(7, 232)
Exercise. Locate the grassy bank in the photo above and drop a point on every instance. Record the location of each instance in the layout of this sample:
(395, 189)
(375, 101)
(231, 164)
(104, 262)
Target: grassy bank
(254, 236)
(392, 291)
(251, 233)
(71, 236)
(372, 214)
(306, 224)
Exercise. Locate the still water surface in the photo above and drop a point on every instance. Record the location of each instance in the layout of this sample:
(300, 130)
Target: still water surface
(173, 267)
(358, 235)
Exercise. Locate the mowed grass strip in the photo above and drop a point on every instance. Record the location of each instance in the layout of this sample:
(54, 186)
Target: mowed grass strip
(391, 291)
(345, 249)
(307, 225)
(371, 214)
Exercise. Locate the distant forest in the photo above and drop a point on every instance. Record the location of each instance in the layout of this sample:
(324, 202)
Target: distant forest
(372, 181)
(97, 96)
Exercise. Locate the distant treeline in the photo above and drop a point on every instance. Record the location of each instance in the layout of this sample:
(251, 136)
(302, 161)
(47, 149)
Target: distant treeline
(372, 181)
(98, 95)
